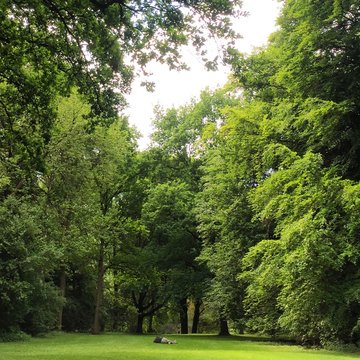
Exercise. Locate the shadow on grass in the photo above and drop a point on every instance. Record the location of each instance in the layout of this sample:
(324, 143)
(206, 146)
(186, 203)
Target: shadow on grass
(247, 337)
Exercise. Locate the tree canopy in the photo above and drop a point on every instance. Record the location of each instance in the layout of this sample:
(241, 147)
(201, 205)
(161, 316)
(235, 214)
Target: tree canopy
(242, 215)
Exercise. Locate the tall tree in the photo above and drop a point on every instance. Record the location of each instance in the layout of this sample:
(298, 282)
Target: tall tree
(111, 151)
(177, 150)
(67, 184)
(232, 167)
(305, 82)
(167, 213)
(85, 174)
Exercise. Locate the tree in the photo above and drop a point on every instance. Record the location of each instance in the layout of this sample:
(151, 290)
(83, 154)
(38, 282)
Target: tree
(29, 301)
(167, 214)
(231, 169)
(307, 152)
(177, 151)
(85, 175)
(68, 187)
(309, 262)
(144, 284)
(111, 151)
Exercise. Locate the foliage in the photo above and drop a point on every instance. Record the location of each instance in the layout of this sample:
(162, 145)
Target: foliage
(225, 217)
(29, 300)
(303, 149)
(247, 201)
(172, 170)
(310, 264)
(66, 158)
(309, 71)
(167, 213)
(48, 46)
(14, 336)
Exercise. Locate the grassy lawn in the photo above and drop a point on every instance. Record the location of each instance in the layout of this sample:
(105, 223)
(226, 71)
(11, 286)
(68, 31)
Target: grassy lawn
(128, 347)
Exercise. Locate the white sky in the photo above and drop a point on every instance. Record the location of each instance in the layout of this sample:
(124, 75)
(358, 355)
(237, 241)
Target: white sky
(177, 88)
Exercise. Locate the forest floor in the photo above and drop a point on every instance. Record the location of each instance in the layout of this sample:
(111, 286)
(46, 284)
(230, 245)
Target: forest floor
(132, 347)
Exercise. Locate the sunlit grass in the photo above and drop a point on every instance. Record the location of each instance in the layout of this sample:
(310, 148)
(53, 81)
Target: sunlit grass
(128, 347)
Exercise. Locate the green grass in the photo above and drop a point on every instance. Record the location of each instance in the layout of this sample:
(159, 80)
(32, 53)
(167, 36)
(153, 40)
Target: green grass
(128, 347)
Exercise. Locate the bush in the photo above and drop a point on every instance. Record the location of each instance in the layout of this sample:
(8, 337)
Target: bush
(13, 335)
(341, 347)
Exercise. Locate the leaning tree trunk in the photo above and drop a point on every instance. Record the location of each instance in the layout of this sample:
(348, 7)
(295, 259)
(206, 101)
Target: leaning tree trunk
(96, 328)
(196, 317)
(184, 325)
(224, 329)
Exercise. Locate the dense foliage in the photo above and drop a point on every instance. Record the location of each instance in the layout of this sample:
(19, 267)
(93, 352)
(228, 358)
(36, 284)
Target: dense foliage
(67, 161)
(242, 215)
(290, 151)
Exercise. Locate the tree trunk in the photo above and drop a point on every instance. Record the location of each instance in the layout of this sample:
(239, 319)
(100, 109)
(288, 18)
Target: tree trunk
(62, 286)
(145, 309)
(196, 317)
(115, 309)
(139, 304)
(99, 291)
(184, 326)
(224, 329)
(140, 322)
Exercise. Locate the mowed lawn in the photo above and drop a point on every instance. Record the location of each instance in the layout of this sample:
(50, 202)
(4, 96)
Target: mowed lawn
(129, 347)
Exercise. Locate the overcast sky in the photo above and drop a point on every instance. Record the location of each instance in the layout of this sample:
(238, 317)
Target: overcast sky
(177, 88)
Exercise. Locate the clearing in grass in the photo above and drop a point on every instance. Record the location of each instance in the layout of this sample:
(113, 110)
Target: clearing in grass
(134, 347)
